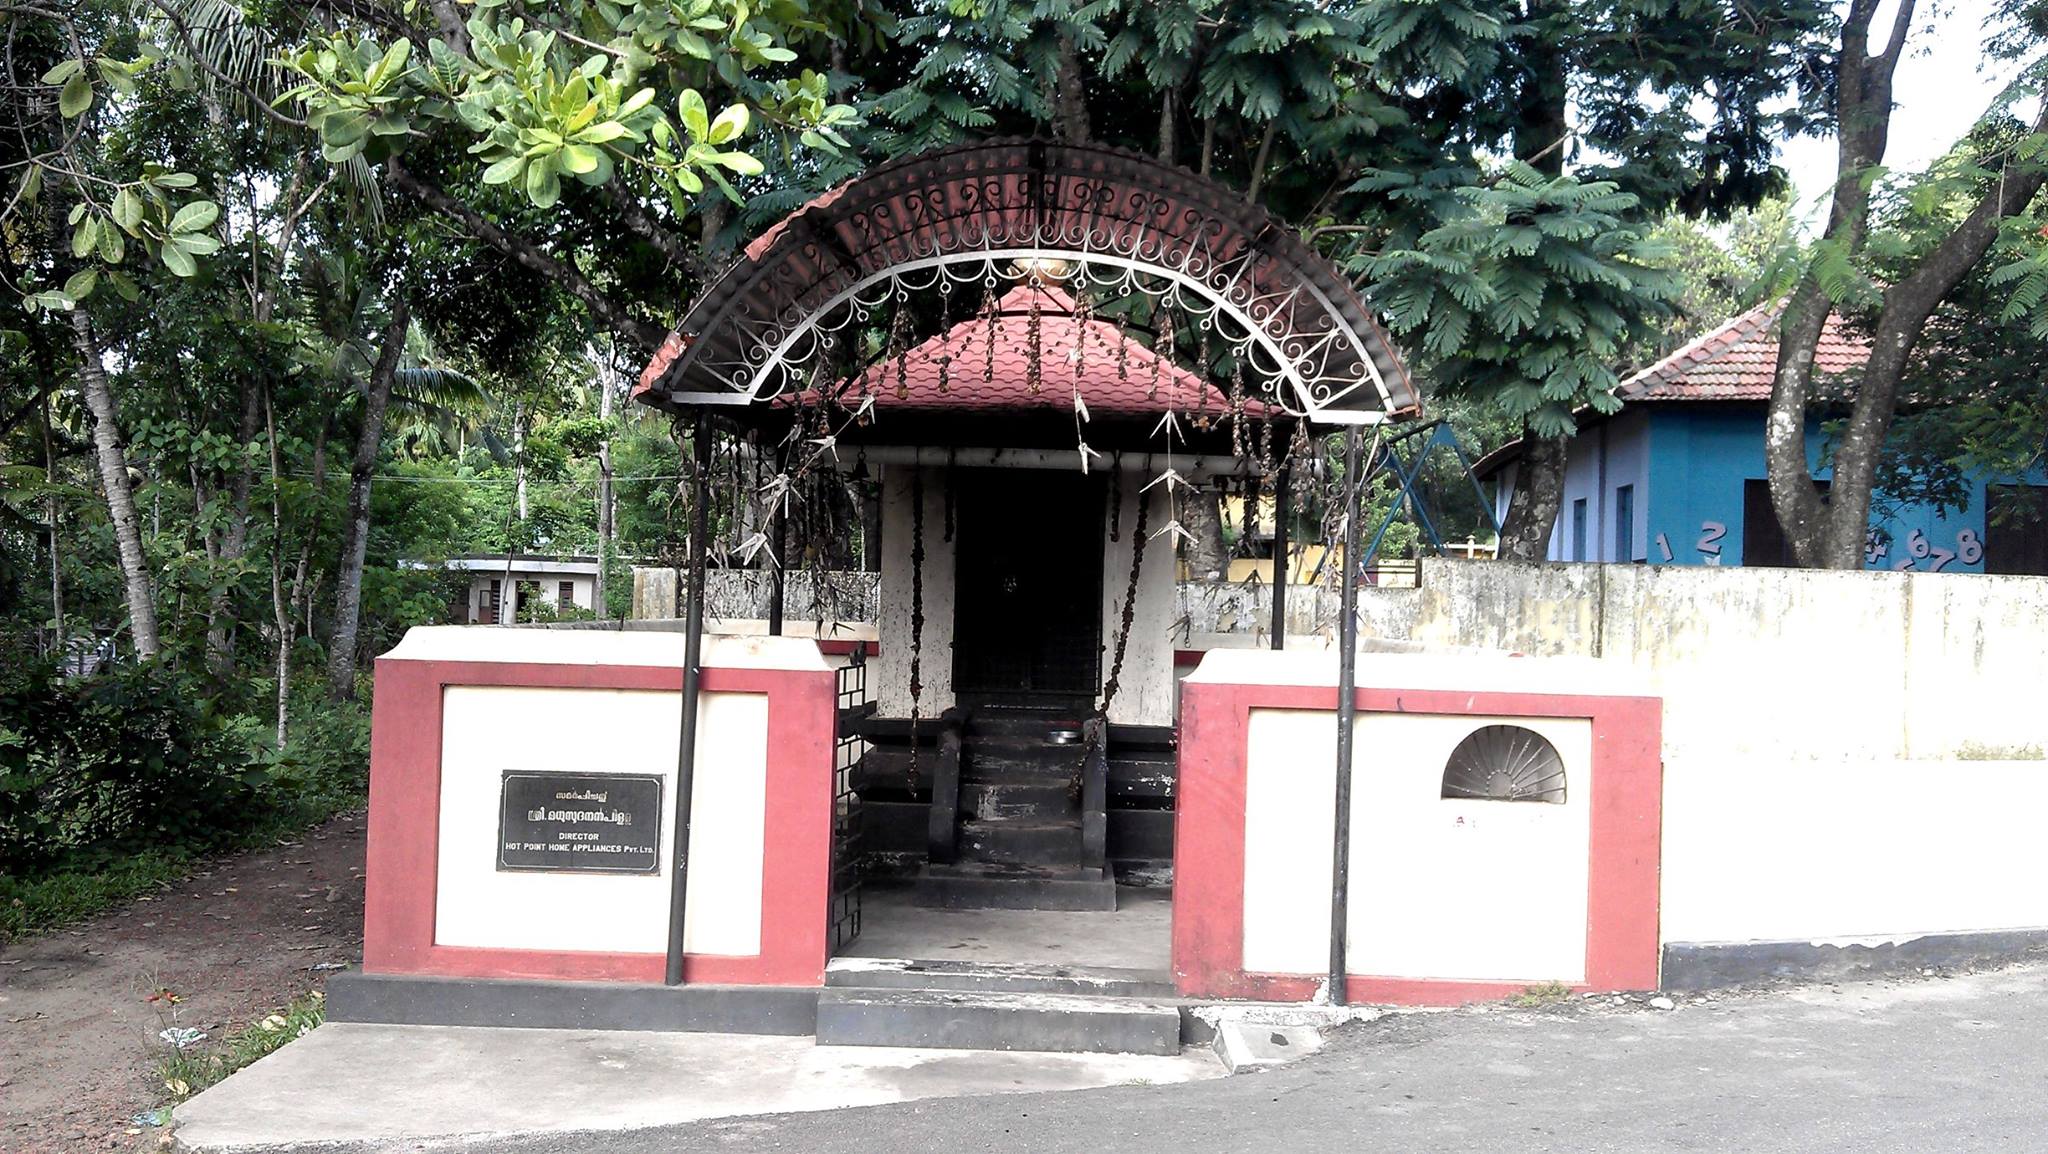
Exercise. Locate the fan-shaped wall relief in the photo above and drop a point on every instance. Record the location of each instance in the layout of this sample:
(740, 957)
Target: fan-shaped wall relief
(1505, 763)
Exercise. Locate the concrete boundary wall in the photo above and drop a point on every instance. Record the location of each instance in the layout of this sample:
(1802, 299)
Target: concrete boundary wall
(1789, 664)
(842, 596)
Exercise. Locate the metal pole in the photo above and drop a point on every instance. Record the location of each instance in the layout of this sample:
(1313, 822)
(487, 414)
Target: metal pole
(1347, 712)
(778, 532)
(693, 651)
(1282, 491)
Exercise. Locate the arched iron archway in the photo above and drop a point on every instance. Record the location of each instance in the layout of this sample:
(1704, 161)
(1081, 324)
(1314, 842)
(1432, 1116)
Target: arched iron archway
(1125, 221)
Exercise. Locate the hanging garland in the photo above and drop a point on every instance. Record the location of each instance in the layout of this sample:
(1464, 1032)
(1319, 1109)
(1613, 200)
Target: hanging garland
(988, 352)
(916, 610)
(945, 358)
(1162, 349)
(1123, 632)
(949, 496)
(1116, 494)
(899, 342)
(1240, 444)
(1034, 339)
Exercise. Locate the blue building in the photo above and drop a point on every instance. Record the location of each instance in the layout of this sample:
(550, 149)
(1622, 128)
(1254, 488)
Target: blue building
(1677, 476)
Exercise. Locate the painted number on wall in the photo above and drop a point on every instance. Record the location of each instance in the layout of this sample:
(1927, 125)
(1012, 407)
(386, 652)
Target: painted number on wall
(1969, 550)
(1709, 545)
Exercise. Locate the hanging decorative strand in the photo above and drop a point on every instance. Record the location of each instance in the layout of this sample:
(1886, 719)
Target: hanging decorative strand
(1116, 494)
(945, 357)
(1034, 341)
(1123, 632)
(1161, 348)
(1084, 314)
(899, 342)
(1240, 444)
(1123, 347)
(949, 496)
(916, 610)
(988, 350)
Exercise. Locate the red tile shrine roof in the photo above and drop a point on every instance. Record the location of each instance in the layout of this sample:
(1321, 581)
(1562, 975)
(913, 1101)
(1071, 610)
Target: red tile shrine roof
(1737, 361)
(953, 371)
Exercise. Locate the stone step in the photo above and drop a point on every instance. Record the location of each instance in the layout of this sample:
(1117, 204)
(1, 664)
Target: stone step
(994, 760)
(1049, 842)
(1034, 797)
(997, 978)
(1034, 723)
(982, 886)
(955, 1020)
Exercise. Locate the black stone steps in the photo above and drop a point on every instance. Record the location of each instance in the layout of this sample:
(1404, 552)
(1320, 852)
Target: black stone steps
(1055, 842)
(956, 1020)
(987, 723)
(992, 760)
(1049, 798)
(981, 885)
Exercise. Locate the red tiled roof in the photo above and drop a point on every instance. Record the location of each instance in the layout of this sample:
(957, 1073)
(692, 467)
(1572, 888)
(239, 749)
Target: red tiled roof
(1075, 355)
(1737, 361)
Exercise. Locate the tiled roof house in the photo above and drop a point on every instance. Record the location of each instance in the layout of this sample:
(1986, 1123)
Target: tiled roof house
(1677, 477)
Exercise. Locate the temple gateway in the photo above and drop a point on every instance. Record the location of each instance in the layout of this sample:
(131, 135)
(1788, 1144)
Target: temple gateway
(1022, 784)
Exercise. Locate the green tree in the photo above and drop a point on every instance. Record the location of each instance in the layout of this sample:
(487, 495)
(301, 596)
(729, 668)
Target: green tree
(1891, 254)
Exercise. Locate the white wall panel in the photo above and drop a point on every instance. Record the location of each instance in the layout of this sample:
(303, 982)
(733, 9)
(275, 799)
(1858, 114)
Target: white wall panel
(1450, 889)
(489, 729)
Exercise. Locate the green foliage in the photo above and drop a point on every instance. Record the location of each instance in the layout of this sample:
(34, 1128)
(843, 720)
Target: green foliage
(113, 764)
(570, 94)
(37, 903)
(186, 1070)
(114, 785)
(1528, 293)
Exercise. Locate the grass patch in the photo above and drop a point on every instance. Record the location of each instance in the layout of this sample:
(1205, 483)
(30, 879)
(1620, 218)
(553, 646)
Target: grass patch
(193, 1066)
(56, 899)
(93, 884)
(1547, 994)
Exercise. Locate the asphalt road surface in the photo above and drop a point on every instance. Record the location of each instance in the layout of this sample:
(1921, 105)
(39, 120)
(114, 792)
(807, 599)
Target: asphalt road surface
(1948, 1063)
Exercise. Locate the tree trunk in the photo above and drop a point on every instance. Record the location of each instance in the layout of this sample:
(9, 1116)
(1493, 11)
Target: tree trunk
(113, 463)
(1794, 498)
(1259, 161)
(1169, 141)
(235, 543)
(519, 459)
(1070, 95)
(50, 508)
(1834, 536)
(1539, 493)
(280, 606)
(1202, 516)
(355, 540)
(1863, 102)
(1540, 134)
(606, 508)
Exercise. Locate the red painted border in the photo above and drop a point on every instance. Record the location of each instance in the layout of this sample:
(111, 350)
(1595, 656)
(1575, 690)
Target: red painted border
(1209, 838)
(405, 793)
(848, 646)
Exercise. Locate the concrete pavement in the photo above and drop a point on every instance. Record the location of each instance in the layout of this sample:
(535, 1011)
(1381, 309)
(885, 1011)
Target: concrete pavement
(393, 1087)
(1951, 1063)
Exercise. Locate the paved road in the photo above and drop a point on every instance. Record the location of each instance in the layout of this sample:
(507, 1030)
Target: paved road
(1939, 1063)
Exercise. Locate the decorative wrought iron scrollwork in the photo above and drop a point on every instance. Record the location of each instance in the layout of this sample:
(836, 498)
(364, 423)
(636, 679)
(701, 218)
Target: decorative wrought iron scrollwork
(1126, 224)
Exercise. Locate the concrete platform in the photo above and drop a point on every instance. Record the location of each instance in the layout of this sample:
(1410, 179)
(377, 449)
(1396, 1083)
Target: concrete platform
(399, 1086)
(1137, 935)
(960, 1020)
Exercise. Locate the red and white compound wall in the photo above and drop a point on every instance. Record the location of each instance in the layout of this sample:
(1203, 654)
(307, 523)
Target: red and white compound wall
(457, 708)
(1450, 898)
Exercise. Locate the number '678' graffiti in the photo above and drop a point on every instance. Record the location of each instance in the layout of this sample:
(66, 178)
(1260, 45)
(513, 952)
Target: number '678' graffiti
(1969, 550)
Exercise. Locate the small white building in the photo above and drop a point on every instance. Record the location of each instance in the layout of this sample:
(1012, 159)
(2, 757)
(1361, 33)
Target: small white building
(561, 583)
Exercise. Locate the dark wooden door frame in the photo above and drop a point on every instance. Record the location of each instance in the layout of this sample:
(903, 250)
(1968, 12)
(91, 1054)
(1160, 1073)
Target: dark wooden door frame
(1037, 641)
